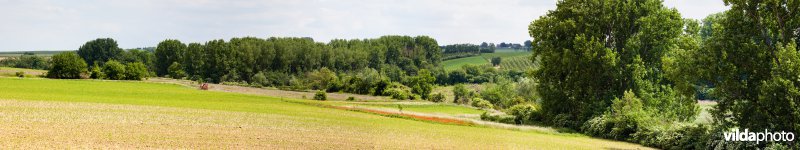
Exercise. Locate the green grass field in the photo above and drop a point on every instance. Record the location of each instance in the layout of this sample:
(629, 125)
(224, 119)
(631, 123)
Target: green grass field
(56, 114)
(483, 59)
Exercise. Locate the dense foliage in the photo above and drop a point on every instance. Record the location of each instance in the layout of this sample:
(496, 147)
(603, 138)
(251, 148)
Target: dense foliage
(750, 56)
(590, 52)
(26, 60)
(114, 70)
(240, 59)
(100, 51)
(135, 71)
(167, 53)
(67, 65)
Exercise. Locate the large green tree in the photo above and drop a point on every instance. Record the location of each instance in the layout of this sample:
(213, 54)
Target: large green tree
(67, 65)
(592, 51)
(751, 57)
(193, 59)
(168, 52)
(100, 50)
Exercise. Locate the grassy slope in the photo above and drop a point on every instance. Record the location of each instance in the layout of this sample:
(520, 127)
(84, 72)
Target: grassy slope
(297, 125)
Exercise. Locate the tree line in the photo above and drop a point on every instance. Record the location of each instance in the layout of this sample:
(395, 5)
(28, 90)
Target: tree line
(389, 65)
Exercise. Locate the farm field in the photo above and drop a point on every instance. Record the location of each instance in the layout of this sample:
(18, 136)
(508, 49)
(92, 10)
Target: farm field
(120, 114)
(521, 63)
(483, 59)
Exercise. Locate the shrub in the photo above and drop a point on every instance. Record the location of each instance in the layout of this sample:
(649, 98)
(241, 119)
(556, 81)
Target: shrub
(480, 103)
(175, 71)
(397, 94)
(436, 97)
(297, 84)
(135, 71)
(67, 65)
(681, 137)
(351, 98)
(322, 79)
(627, 115)
(597, 126)
(97, 73)
(461, 94)
(497, 118)
(496, 61)
(20, 74)
(320, 95)
(422, 84)
(563, 120)
(398, 91)
(524, 113)
(114, 70)
(259, 80)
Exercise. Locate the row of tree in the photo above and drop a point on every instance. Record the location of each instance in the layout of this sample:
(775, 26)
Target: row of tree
(27, 60)
(240, 59)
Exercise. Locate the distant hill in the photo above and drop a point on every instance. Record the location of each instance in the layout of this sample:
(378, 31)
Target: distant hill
(39, 53)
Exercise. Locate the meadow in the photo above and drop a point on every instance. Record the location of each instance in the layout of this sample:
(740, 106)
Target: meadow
(46, 113)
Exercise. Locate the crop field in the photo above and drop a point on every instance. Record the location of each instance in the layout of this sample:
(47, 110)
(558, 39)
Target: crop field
(521, 63)
(56, 114)
(483, 59)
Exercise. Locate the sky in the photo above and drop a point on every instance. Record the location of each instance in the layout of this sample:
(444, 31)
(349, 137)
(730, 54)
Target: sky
(27, 25)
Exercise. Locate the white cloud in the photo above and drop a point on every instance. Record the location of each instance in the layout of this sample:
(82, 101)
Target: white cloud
(56, 25)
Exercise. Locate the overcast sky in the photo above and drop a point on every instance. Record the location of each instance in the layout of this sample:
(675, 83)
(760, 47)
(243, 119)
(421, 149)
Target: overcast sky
(27, 25)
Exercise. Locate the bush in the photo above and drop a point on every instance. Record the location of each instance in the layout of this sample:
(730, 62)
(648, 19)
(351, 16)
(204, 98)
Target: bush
(322, 79)
(297, 84)
(480, 103)
(135, 71)
(627, 121)
(398, 91)
(461, 94)
(20, 74)
(681, 137)
(598, 126)
(498, 118)
(321, 95)
(97, 73)
(259, 80)
(67, 65)
(114, 70)
(524, 113)
(436, 97)
(351, 98)
(563, 120)
(496, 61)
(175, 71)
(422, 84)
